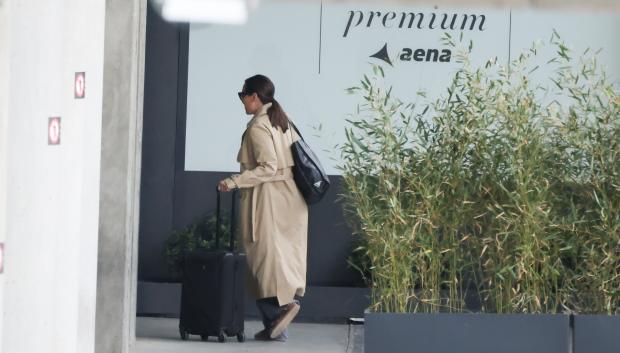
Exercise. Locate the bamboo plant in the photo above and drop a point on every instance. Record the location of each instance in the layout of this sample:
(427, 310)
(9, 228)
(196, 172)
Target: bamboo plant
(503, 193)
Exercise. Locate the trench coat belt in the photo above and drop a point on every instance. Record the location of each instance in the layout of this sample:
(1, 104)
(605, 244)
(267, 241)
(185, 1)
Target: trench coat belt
(281, 175)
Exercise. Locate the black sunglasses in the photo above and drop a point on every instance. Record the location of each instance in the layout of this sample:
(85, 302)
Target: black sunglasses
(243, 94)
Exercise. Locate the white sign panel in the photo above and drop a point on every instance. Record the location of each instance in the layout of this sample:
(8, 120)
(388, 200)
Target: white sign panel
(314, 52)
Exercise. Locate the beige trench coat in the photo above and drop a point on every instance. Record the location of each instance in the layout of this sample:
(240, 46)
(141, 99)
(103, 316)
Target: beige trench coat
(274, 215)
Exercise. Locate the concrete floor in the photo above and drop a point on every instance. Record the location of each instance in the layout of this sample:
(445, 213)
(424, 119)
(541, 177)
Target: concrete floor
(160, 335)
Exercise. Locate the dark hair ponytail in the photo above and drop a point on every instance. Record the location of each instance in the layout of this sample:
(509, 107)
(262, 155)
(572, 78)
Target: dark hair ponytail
(265, 90)
(277, 116)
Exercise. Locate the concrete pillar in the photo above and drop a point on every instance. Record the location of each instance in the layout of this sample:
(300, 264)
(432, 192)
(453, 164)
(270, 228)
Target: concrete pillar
(121, 148)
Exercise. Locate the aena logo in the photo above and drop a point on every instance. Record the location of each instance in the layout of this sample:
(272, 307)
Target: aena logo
(408, 54)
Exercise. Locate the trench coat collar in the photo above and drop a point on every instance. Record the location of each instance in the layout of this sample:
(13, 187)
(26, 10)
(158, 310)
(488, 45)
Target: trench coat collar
(261, 112)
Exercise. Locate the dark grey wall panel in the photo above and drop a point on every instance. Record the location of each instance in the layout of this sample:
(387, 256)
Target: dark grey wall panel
(196, 195)
(330, 243)
(158, 145)
(182, 96)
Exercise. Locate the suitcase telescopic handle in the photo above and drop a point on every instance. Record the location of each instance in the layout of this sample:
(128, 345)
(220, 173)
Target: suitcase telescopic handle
(218, 221)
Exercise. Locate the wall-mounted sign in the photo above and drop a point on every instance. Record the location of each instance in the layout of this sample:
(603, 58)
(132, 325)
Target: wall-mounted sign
(53, 131)
(80, 85)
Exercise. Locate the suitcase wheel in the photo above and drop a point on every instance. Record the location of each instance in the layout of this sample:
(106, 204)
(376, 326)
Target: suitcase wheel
(204, 337)
(183, 333)
(221, 337)
(241, 337)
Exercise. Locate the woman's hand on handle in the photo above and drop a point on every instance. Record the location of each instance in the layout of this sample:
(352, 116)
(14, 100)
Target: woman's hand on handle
(222, 186)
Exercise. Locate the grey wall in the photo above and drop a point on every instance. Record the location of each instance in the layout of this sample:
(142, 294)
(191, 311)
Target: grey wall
(172, 198)
(158, 145)
(4, 63)
(51, 192)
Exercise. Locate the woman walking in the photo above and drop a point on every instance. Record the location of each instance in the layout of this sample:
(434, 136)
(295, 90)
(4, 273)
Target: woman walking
(274, 214)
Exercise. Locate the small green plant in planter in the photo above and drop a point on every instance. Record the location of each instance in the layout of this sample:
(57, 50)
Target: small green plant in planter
(503, 188)
(196, 236)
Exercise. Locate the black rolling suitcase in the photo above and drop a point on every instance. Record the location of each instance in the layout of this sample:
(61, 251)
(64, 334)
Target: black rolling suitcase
(213, 295)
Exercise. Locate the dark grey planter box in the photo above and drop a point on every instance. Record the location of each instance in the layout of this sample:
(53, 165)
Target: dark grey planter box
(597, 334)
(466, 333)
